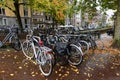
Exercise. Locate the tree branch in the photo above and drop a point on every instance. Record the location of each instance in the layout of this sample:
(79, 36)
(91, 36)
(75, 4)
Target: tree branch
(10, 8)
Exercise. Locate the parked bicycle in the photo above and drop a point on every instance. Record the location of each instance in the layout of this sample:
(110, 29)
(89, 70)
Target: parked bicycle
(93, 42)
(33, 48)
(64, 51)
(79, 42)
(12, 37)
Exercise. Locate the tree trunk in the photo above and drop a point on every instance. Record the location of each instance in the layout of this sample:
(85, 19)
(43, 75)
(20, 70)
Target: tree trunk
(116, 42)
(17, 13)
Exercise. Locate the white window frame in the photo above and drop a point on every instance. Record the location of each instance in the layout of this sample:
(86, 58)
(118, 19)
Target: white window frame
(4, 21)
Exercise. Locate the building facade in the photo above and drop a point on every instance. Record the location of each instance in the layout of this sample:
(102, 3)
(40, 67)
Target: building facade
(8, 18)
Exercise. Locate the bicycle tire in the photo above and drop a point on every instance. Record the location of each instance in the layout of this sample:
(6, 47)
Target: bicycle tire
(47, 67)
(75, 55)
(27, 49)
(84, 46)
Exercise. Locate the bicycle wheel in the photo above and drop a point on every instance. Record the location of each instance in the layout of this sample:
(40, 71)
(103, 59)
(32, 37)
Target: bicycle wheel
(15, 43)
(75, 55)
(84, 46)
(46, 65)
(27, 49)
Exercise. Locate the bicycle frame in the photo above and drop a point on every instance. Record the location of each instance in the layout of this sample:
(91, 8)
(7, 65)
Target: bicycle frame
(9, 37)
(41, 49)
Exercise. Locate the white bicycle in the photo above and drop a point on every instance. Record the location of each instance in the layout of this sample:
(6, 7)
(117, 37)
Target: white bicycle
(33, 48)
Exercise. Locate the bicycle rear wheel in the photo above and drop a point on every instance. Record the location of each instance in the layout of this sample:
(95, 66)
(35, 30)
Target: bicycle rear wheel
(47, 66)
(75, 55)
(84, 46)
(27, 49)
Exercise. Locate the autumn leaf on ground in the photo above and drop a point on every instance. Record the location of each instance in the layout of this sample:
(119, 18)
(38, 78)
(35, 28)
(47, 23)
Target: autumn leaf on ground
(117, 74)
(11, 74)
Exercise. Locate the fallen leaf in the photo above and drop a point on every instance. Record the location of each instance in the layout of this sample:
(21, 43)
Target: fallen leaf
(56, 72)
(3, 71)
(33, 75)
(9, 55)
(32, 72)
(89, 75)
(111, 67)
(36, 73)
(103, 74)
(60, 74)
(3, 57)
(117, 74)
(15, 57)
(8, 50)
(25, 73)
(11, 74)
(85, 73)
(20, 67)
(96, 64)
(60, 69)
(66, 74)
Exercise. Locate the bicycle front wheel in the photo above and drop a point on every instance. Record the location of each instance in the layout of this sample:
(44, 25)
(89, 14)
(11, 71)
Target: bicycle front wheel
(27, 49)
(75, 55)
(47, 67)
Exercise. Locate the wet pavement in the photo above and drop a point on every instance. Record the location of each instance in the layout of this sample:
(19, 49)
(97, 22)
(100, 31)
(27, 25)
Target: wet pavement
(96, 65)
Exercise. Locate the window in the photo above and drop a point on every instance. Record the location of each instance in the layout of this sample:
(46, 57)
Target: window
(25, 7)
(25, 11)
(25, 20)
(2, 11)
(34, 20)
(26, 23)
(1, 22)
(47, 17)
(4, 21)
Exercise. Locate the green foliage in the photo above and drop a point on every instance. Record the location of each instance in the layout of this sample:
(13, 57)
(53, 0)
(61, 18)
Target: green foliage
(54, 8)
(9, 4)
(88, 6)
(72, 7)
(108, 4)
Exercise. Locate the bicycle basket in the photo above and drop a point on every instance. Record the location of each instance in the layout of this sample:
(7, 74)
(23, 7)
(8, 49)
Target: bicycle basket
(60, 48)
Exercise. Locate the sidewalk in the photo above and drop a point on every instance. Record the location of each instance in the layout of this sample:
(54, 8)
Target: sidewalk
(98, 65)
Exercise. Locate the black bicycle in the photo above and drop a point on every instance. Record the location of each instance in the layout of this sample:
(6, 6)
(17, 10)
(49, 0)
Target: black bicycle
(65, 52)
(12, 37)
